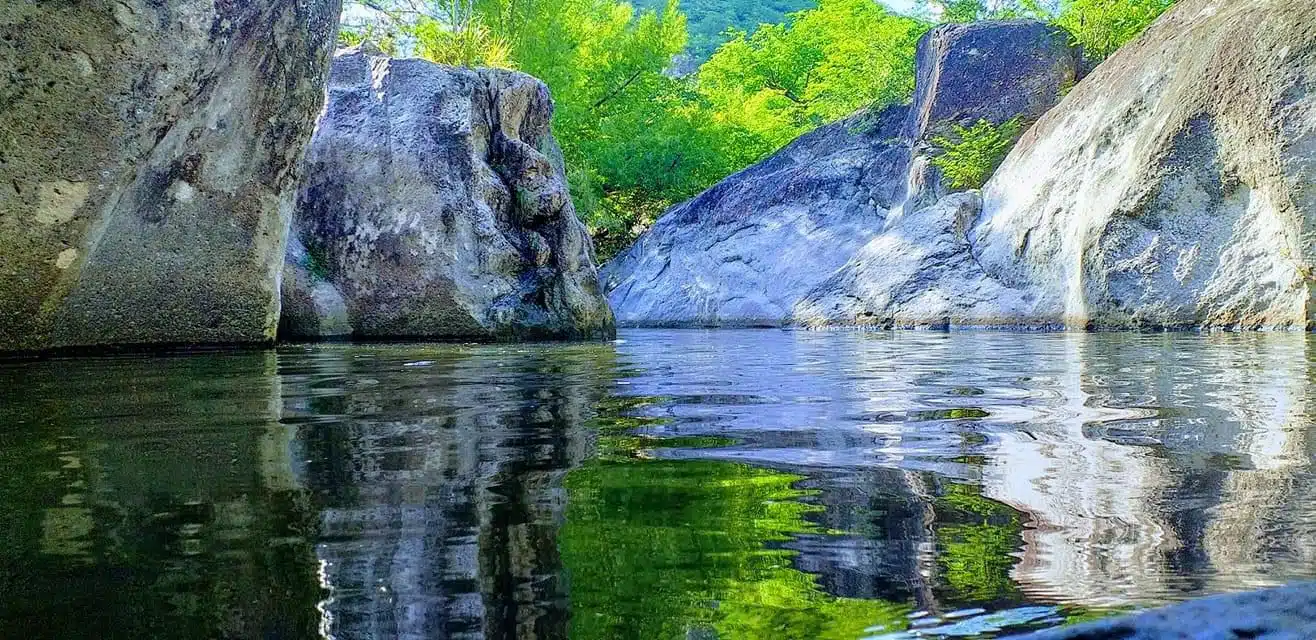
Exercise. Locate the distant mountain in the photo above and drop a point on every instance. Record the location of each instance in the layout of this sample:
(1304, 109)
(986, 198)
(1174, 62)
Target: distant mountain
(707, 19)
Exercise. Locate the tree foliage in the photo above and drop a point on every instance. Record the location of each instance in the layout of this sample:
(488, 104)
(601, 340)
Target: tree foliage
(821, 65)
(1103, 26)
(709, 20)
(970, 155)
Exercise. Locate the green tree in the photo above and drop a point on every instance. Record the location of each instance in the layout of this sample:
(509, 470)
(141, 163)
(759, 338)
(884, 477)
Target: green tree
(1101, 27)
(822, 65)
(710, 20)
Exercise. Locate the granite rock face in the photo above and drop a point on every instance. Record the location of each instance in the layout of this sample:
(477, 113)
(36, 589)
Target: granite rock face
(432, 208)
(746, 251)
(1175, 187)
(148, 160)
(1288, 613)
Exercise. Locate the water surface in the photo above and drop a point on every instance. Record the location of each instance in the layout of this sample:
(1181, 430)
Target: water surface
(683, 484)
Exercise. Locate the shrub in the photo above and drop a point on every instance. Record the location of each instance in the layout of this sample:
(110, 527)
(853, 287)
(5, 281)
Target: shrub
(970, 155)
(1103, 26)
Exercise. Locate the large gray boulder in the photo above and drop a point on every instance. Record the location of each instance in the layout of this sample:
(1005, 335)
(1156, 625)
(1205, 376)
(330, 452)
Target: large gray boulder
(148, 157)
(1287, 613)
(433, 208)
(1175, 187)
(745, 252)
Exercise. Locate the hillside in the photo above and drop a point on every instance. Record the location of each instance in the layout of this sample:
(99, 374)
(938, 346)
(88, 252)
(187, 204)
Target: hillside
(707, 19)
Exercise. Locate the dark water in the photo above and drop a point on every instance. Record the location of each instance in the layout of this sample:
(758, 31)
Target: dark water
(672, 485)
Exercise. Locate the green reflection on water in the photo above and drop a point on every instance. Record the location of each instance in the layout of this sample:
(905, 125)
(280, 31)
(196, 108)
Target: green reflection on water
(145, 504)
(977, 539)
(666, 549)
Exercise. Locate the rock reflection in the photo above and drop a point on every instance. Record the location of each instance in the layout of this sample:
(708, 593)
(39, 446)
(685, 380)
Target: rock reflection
(440, 477)
(677, 484)
(1203, 491)
(149, 497)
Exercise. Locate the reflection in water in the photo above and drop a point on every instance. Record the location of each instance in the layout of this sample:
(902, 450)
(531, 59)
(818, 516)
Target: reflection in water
(732, 484)
(439, 477)
(149, 498)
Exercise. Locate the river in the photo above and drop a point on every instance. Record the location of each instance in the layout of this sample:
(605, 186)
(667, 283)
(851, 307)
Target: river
(672, 484)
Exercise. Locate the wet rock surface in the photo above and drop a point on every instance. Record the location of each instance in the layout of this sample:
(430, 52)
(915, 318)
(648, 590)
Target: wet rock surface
(148, 166)
(432, 208)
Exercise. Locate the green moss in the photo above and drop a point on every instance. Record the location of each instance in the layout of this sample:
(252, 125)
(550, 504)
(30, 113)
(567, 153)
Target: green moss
(316, 263)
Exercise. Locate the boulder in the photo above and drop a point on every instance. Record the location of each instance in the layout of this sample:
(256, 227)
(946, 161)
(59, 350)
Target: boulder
(432, 208)
(746, 251)
(148, 161)
(743, 252)
(1175, 187)
(1286, 613)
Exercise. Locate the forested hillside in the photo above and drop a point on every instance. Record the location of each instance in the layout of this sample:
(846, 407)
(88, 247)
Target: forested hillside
(708, 20)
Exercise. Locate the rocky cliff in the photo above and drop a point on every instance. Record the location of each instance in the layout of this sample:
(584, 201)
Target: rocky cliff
(747, 251)
(433, 208)
(148, 164)
(1173, 188)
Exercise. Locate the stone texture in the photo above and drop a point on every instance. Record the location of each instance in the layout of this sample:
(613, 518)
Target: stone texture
(432, 209)
(1288, 613)
(745, 252)
(990, 71)
(148, 155)
(1172, 188)
(912, 274)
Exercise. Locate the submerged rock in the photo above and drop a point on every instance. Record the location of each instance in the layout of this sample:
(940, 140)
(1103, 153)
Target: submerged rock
(148, 155)
(432, 208)
(1275, 614)
(746, 251)
(1175, 187)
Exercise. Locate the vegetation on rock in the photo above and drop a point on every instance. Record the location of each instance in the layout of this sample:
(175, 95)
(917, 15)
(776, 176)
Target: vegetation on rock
(971, 154)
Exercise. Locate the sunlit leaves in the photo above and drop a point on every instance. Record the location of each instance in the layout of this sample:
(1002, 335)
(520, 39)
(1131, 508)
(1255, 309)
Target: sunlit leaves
(826, 63)
(469, 44)
(970, 155)
(1099, 26)
(1103, 26)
